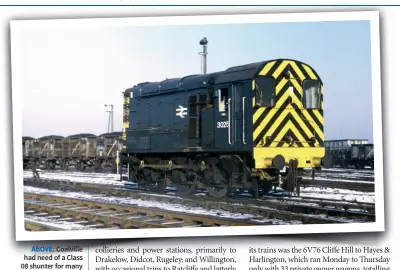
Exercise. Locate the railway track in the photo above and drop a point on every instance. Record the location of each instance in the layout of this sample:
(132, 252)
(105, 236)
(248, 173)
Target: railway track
(362, 186)
(110, 215)
(346, 177)
(348, 170)
(341, 182)
(31, 225)
(303, 210)
(353, 175)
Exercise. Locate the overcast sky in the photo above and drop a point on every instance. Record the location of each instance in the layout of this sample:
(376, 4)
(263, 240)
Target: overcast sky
(67, 75)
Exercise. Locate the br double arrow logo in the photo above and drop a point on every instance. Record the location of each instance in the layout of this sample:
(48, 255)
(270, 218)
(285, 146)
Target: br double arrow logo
(181, 111)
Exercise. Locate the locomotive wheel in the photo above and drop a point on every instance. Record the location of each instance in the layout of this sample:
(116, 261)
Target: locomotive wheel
(158, 186)
(266, 186)
(255, 190)
(136, 178)
(216, 184)
(139, 177)
(260, 187)
(217, 192)
(183, 182)
(154, 181)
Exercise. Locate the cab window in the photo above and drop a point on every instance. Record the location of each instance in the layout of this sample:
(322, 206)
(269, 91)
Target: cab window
(222, 99)
(265, 91)
(312, 94)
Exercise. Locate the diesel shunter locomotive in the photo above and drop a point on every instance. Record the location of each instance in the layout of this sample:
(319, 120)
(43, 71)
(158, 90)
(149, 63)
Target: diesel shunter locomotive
(255, 127)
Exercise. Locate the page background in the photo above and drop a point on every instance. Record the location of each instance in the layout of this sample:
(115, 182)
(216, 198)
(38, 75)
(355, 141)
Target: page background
(390, 42)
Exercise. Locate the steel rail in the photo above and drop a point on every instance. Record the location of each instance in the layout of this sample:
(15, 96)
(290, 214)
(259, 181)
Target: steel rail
(291, 208)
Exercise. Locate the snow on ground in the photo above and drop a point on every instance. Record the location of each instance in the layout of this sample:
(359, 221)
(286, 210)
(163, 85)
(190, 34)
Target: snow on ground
(351, 175)
(339, 169)
(103, 178)
(340, 180)
(344, 195)
(349, 172)
(156, 204)
(53, 222)
(343, 177)
(338, 194)
(113, 179)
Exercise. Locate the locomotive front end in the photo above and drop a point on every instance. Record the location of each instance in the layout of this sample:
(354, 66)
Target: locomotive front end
(288, 122)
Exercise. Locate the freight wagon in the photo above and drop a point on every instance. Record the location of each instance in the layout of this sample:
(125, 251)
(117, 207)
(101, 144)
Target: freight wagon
(80, 151)
(351, 152)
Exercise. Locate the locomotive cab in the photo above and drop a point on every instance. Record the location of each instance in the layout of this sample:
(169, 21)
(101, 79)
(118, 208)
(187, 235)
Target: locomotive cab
(277, 115)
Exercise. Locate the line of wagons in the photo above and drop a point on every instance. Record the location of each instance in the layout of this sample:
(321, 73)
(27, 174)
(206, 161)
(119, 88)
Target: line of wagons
(79, 151)
(350, 152)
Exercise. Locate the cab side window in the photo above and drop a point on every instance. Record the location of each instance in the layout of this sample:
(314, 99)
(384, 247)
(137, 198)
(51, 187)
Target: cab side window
(222, 99)
(265, 91)
(311, 94)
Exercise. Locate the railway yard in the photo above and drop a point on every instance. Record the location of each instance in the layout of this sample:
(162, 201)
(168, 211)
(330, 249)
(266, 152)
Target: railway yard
(229, 148)
(69, 200)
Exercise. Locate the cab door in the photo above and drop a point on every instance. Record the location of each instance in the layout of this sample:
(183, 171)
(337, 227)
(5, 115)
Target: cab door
(237, 115)
(222, 116)
(229, 116)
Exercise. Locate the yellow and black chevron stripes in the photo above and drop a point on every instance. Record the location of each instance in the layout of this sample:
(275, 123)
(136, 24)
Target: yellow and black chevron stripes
(272, 121)
(125, 115)
(126, 111)
(271, 126)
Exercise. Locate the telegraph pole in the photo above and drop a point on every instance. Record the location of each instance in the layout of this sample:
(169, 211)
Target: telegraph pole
(204, 43)
(110, 117)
